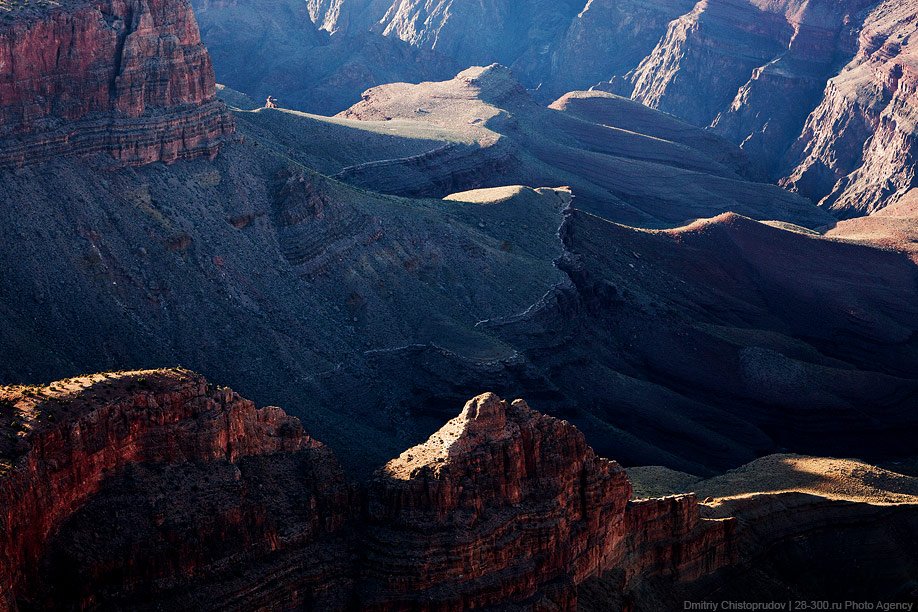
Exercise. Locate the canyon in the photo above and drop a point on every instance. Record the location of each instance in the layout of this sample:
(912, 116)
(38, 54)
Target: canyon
(238, 508)
(395, 253)
(812, 92)
(744, 352)
(818, 93)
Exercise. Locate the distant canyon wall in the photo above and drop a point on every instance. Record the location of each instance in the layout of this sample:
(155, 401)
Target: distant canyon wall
(820, 93)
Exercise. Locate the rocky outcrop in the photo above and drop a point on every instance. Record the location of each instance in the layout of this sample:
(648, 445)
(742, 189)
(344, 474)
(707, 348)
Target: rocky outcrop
(857, 152)
(68, 443)
(478, 477)
(504, 504)
(515, 33)
(760, 65)
(154, 489)
(128, 78)
(155, 485)
(348, 16)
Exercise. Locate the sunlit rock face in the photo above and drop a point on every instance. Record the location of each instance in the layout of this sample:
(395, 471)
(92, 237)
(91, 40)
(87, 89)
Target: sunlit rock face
(504, 504)
(156, 487)
(128, 78)
(857, 152)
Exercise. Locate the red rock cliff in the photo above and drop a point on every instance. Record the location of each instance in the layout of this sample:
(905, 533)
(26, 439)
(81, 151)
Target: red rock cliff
(156, 489)
(63, 443)
(127, 77)
(504, 504)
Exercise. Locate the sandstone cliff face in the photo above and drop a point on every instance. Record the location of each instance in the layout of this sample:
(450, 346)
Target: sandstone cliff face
(483, 475)
(126, 77)
(857, 152)
(536, 513)
(153, 488)
(66, 442)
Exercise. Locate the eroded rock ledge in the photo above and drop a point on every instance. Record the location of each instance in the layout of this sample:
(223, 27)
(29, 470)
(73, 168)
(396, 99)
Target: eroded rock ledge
(152, 488)
(125, 77)
(156, 490)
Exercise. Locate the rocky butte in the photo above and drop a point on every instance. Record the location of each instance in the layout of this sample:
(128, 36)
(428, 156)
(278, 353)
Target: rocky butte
(125, 77)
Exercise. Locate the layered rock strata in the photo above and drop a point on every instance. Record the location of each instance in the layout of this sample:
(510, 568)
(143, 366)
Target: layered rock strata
(761, 66)
(857, 152)
(154, 488)
(94, 438)
(536, 513)
(125, 77)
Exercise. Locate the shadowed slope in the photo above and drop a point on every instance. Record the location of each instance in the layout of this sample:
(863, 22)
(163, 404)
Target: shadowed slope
(271, 47)
(253, 259)
(701, 347)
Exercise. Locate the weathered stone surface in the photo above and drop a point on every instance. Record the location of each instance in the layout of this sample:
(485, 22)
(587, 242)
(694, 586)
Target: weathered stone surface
(139, 489)
(125, 77)
(751, 69)
(152, 490)
(504, 504)
(481, 477)
(65, 443)
(857, 151)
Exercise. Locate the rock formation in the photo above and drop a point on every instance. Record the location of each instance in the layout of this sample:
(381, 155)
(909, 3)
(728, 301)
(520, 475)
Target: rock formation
(606, 38)
(752, 70)
(553, 47)
(409, 304)
(154, 489)
(857, 152)
(603, 153)
(501, 505)
(131, 79)
(125, 488)
(820, 94)
(770, 77)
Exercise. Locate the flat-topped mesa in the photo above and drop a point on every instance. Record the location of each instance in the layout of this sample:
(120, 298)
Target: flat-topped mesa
(506, 505)
(126, 77)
